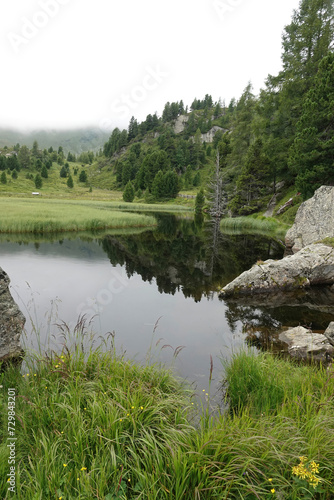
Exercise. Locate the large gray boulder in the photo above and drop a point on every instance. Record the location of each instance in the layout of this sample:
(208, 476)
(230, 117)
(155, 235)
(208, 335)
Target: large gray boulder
(303, 343)
(11, 322)
(314, 220)
(329, 333)
(313, 265)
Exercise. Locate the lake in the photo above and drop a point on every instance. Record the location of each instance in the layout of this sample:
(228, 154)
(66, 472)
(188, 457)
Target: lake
(153, 288)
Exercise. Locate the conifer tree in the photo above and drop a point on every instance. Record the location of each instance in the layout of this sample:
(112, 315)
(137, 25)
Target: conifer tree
(70, 182)
(38, 181)
(44, 172)
(312, 154)
(129, 192)
(199, 201)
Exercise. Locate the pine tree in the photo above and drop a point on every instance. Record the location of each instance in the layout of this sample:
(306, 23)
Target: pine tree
(252, 182)
(3, 178)
(312, 154)
(306, 41)
(129, 192)
(242, 131)
(199, 201)
(38, 181)
(70, 182)
(35, 149)
(63, 172)
(133, 129)
(215, 191)
(44, 172)
(83, 176)
(158, 186)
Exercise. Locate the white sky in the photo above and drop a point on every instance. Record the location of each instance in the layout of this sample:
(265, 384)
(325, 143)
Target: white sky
(100, 62)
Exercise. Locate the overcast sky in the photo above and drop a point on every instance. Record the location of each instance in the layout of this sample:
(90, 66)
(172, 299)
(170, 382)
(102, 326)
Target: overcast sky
(67, 63)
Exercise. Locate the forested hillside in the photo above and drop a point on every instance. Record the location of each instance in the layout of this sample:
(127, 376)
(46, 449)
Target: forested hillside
(283, 134)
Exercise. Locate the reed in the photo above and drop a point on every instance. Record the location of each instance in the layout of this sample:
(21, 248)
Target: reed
(262, 226)
(41, 216)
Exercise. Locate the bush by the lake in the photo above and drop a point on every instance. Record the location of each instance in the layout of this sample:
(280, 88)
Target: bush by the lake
(91, 424)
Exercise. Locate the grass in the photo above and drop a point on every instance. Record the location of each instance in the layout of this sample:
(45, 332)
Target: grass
(327, 241)
(41, 216)
(255, 225)
(91, 424)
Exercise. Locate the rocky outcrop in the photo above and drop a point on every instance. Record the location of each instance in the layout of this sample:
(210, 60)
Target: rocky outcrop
(11, 322)
(303, 343)
(314, 220)
(180, 123)
(313, 265)
(209, 136)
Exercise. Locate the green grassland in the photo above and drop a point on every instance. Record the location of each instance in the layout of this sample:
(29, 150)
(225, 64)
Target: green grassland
(55, 186)
(95, 425)
(40, 216)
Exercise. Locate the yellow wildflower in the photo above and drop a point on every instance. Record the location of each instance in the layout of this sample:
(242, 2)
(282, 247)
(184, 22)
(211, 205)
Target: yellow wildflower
(83, 468)
(270, 480)
(272, 490)
(65, 465)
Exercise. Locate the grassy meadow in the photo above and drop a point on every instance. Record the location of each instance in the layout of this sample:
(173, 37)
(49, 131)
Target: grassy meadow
(40, 216)
(95, 425)
(254, 225)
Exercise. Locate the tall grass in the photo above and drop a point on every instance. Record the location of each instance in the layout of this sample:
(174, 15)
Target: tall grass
(91, 424)
(147, 207)
(51, 216)
(254, 225)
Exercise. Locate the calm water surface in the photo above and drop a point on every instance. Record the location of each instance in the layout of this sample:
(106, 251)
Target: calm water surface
(128, 281)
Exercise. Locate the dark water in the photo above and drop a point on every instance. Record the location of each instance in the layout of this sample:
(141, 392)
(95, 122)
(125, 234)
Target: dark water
(129, 282)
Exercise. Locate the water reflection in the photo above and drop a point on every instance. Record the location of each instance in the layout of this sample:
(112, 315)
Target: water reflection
(264, 316)
(191, 256)
(130, 280)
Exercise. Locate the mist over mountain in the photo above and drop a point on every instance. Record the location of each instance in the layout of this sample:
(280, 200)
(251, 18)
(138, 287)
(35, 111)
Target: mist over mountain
(74, 140)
